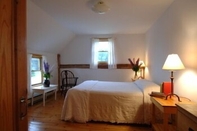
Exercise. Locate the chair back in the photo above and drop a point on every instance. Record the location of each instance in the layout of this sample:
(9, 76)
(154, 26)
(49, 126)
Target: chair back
(68, 80)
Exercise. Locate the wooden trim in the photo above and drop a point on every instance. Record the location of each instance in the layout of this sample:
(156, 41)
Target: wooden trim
(123, 66)
(58, 63)
(39, 98)
(87, 66)
(37, 56)
(20, 64)
(84, 66)
(103, 39)
(102, 66)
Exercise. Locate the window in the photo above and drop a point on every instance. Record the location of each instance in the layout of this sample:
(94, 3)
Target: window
(103, 53)
(103, 56)
(36, 69)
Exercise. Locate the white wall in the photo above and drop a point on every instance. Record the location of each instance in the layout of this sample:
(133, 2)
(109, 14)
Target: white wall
(175, 32)
(44, 33)
(45, 37)
(79, 52)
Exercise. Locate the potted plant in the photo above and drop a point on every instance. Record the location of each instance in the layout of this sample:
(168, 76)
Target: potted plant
(47, 74)
(135, 66)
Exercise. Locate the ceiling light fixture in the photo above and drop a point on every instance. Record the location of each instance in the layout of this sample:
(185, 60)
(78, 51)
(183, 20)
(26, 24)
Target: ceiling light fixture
(100, 7)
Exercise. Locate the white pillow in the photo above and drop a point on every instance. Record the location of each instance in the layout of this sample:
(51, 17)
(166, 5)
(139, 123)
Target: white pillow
(147, 86)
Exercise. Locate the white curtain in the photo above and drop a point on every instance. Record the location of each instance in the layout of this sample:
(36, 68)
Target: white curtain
(111, 56)
(94, 62)
(43, 59)
(29, 90)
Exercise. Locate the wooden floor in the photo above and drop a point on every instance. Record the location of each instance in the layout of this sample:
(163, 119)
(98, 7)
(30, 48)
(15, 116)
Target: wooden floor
(48, 119)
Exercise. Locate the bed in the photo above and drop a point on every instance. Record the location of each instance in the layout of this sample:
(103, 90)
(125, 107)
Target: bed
(107, 101)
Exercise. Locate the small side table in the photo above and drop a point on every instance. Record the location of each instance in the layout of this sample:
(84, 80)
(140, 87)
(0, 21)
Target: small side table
(167, 107)
(43, 90)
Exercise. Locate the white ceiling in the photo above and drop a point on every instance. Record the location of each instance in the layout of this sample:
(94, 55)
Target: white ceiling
(124, 17)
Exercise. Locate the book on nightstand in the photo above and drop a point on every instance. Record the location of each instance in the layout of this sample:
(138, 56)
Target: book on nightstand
(157, 94)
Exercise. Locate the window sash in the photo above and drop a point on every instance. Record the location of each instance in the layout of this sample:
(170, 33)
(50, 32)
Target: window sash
(103, 56)
(36, 72)
(35, 64)
(36, 77)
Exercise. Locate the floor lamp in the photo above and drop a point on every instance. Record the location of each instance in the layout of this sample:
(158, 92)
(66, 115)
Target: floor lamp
(173, 63)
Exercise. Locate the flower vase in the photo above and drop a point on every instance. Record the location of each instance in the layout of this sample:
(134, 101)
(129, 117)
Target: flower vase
(135, 76)
(46, 83)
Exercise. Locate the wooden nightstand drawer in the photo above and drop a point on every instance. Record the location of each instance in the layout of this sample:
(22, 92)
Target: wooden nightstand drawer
(187, 117)
(168, 107)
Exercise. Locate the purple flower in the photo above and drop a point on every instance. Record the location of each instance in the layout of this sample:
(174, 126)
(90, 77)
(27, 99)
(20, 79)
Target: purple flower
(46, 67)
(47, 70)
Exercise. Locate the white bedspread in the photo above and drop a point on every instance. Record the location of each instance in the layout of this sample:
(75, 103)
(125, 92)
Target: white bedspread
(120, 102)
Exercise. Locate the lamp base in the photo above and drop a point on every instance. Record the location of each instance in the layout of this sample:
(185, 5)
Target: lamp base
(173, 95)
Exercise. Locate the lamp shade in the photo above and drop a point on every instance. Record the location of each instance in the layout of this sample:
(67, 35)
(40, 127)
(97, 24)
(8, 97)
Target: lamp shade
(100, 7)
(142, 62)
(173, 62)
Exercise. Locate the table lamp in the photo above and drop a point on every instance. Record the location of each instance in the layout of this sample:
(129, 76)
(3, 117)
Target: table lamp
(173, 63)
(142, 69)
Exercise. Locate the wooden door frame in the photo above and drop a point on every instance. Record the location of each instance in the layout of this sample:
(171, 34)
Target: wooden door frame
(21, 64)
(7, 92)
(13, 65)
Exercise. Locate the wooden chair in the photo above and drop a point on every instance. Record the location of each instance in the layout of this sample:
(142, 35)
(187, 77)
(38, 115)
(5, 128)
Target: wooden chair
(68, 81)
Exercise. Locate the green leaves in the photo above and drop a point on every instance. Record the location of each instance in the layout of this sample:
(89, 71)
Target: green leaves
(47, 75)
(135, 66)
(47, 70)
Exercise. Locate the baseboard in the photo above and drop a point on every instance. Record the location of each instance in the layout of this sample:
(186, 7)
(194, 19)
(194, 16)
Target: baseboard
(39, 98)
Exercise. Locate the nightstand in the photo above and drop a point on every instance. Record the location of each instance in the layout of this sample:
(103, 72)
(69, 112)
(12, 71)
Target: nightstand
(187, 117)
(168, 108)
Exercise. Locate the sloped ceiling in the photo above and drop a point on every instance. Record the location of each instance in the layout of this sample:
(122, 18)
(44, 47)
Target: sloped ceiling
(44, 33)
(54, 23)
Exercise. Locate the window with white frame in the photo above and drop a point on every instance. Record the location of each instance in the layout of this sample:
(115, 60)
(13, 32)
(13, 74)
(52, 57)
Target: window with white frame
(103, 52)
(36, 69)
